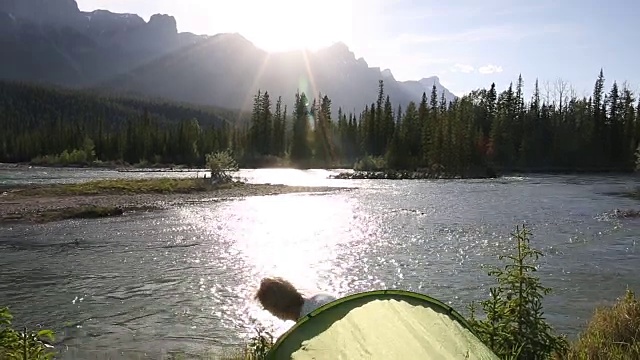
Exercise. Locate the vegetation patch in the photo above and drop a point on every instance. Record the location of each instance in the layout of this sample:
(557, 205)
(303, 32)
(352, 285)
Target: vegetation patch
(514, 325)
(612, 333)
(25, 344)
(124, 187)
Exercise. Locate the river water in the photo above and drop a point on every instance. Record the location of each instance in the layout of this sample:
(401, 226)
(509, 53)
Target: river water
(183, 279)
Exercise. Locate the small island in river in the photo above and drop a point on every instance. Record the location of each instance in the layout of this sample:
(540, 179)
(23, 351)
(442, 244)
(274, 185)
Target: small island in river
(103, 198)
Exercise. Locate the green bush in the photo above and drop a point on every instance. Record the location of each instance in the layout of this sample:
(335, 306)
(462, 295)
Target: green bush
(515, 326)
(83, 156)
(22, 345)
(221, 165)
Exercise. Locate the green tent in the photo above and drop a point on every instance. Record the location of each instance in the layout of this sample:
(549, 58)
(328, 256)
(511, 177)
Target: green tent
(384, 324)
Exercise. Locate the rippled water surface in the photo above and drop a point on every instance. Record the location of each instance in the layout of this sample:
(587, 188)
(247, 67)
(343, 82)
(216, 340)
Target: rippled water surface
(184, 279)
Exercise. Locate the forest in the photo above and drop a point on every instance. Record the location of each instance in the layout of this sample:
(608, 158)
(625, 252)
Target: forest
(553, 130)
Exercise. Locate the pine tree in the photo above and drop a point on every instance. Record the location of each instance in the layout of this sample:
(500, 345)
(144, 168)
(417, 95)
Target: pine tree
(266, 126)
(300, 149)
(257, 126)
(279, 129)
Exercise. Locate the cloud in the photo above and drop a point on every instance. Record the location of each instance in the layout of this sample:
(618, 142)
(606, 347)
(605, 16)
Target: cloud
(490, 69)
(463, 68)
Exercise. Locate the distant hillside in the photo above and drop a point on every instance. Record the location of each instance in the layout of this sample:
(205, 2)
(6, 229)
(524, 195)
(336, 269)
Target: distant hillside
(53, 42)
(38, 106)
(53, 123)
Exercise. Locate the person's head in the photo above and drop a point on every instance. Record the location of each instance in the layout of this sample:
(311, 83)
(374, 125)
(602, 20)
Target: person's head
(280, 298)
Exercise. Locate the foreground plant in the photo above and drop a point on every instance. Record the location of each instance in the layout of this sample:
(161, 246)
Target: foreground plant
(515, 327)
(259, 345)
(25, 345)
(257, 348)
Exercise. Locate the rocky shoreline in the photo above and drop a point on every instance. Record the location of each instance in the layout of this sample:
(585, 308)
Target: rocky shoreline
(409, 175)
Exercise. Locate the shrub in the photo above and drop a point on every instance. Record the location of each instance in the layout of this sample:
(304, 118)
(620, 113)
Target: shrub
(612, 333)
(514, 326)
(259, 345)
(257, 348)
(221, 164)
(22, 345)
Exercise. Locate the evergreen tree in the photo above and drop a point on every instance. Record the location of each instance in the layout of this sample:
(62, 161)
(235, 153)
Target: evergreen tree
(279, 129)
(300, 149)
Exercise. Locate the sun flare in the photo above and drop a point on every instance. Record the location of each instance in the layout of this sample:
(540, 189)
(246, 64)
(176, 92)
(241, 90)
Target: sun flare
(285, 25)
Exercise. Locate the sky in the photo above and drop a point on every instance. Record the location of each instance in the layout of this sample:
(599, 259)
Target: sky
(468, 44)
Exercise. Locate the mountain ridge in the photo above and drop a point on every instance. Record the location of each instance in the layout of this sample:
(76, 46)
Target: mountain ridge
(122, 53)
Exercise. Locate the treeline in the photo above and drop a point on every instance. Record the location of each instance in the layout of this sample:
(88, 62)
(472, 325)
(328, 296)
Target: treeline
(554, 129)
(68, 126)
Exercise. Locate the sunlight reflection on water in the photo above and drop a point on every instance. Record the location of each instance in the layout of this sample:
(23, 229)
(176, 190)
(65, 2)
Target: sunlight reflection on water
(296, 177)
(294, 236)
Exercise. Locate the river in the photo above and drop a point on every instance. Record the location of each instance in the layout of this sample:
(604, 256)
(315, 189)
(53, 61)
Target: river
(183, 279)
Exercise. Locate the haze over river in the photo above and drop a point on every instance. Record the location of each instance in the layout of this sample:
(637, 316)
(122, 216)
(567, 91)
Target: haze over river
(184, 279)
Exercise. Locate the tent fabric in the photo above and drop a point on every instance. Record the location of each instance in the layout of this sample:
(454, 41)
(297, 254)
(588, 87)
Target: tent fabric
(383, 324)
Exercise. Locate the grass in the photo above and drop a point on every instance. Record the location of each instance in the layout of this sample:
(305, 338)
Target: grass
(125, 187)
(612, 333)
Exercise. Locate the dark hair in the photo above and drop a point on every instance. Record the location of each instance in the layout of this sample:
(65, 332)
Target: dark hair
(279, 296)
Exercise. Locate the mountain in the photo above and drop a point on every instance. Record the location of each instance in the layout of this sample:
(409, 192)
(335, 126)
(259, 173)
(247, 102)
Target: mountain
(52, 41)
(416, 88)
(228, 70)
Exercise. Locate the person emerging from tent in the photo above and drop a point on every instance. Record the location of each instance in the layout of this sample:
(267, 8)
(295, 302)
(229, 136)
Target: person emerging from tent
(284, 301)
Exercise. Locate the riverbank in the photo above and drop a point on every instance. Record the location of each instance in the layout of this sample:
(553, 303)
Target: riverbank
(476, 173)
(104, 198)
(114, 166)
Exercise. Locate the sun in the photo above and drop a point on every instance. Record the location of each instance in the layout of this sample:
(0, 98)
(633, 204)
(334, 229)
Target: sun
(284, 25)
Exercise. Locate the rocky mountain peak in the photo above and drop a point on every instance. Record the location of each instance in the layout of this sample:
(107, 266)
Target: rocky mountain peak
(387, 74)
(41, 11)
(163, 23)
(429, 81)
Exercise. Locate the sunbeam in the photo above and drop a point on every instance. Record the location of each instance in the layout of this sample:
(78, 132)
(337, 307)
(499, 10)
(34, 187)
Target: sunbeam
(256, 80)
